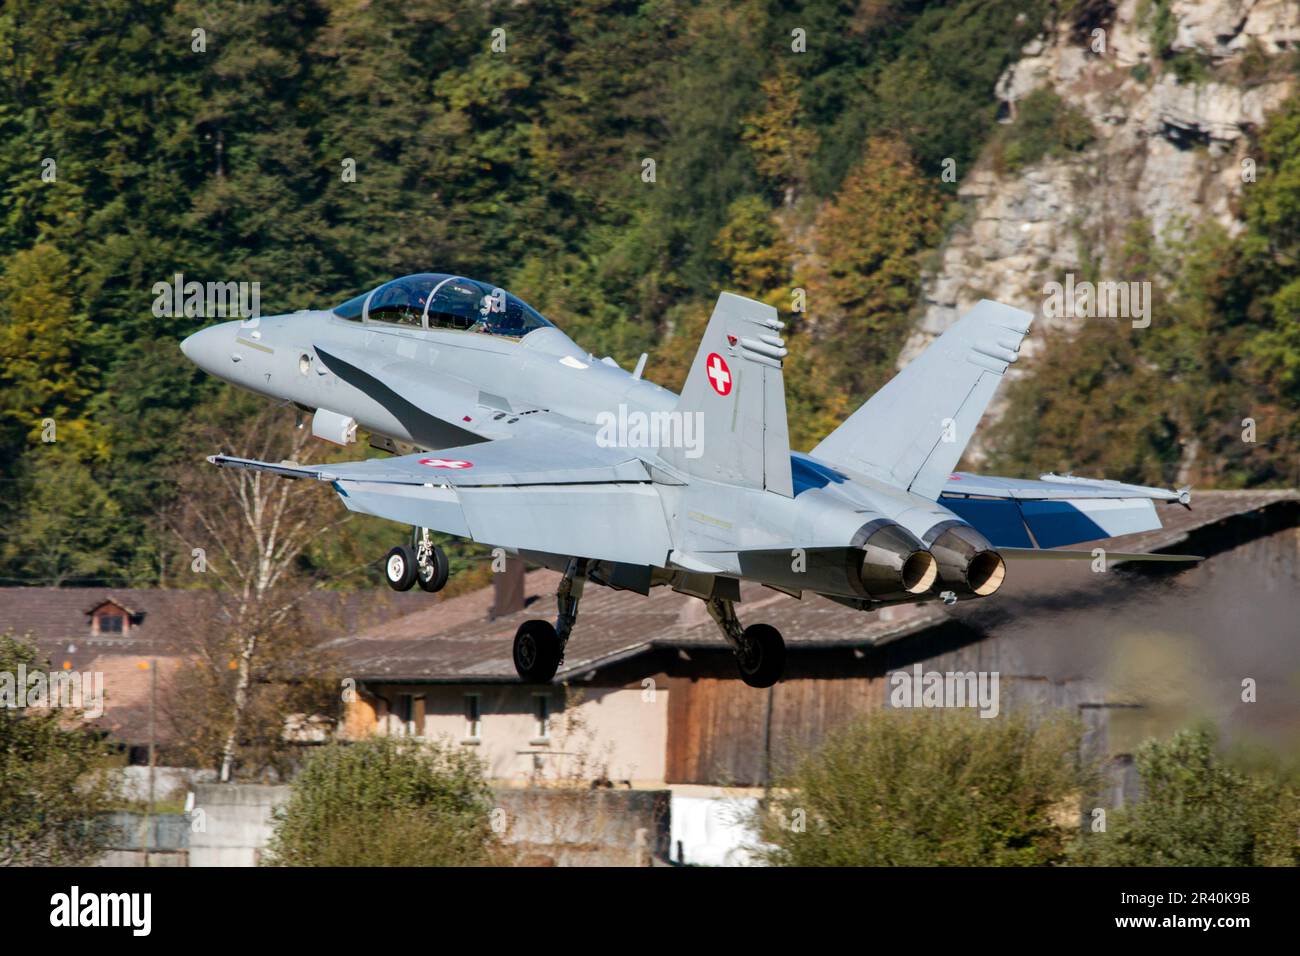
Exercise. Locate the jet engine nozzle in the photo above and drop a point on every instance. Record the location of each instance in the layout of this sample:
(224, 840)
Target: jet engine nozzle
(895, 564)
(968, 562)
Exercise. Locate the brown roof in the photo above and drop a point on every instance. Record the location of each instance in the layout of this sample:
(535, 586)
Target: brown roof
(453, 641)
(57, 621)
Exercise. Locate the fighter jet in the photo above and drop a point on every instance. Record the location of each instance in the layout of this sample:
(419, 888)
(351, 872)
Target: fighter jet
(505, 432)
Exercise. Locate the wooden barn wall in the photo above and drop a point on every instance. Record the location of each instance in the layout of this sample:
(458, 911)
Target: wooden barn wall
(722, 732)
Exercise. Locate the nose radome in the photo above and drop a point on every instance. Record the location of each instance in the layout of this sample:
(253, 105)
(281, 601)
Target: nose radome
(204, 348)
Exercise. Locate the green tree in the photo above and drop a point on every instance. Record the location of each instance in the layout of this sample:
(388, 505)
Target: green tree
(928, 788)
(386, 802)
(43, 368)
(1197, 810)
(57, 781)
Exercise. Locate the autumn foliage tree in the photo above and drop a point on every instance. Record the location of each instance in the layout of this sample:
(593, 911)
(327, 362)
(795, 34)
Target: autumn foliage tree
(870, 242)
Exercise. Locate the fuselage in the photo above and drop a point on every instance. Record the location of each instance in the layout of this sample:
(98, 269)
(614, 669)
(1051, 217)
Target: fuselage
(464, 386)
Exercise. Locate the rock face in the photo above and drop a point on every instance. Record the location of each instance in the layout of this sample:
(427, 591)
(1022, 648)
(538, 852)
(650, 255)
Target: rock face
(1167, 151)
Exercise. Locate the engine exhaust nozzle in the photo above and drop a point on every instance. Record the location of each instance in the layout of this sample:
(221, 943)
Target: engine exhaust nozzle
(968, 562)
(895, 564)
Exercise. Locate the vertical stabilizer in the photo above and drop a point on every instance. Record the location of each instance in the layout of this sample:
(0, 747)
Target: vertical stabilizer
(736, 385)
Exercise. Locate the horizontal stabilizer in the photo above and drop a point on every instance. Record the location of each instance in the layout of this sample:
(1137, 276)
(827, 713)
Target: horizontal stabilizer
(1041, 554)
(1054, 511)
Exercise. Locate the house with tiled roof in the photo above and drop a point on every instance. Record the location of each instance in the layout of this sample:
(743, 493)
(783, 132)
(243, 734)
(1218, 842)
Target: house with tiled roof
(121, 634)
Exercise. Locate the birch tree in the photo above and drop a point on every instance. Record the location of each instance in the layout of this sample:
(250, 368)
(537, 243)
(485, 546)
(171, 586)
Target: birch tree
(244, 534)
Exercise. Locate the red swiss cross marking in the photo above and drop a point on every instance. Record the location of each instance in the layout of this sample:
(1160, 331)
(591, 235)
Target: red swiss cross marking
(446, 463)
(719, 374)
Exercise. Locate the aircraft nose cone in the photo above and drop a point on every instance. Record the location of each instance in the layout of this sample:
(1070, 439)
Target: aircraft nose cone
(204, 347)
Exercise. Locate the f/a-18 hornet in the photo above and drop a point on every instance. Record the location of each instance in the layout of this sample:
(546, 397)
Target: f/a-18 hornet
(505, 432)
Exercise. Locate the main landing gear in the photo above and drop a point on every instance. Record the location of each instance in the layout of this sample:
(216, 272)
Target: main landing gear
(539, 645)
(759, 648)
(421, 562)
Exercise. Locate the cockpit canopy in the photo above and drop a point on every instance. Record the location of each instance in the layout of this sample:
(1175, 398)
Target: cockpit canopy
(436, 301)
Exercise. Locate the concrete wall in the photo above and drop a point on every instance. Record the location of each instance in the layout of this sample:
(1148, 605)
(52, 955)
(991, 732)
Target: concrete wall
(616, 733)
(548, 826)
(231, 822)
(169, 782)
(161, 840)
(587, 827)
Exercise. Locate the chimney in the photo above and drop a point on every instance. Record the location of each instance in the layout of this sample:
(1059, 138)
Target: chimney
(507, 590)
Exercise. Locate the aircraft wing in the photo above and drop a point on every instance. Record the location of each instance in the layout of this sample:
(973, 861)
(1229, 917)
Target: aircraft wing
(552, 490)
(1055, 510)
(544, 457)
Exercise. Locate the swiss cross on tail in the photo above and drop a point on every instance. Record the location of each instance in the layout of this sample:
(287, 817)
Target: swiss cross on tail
(454, 463)
(719, 374)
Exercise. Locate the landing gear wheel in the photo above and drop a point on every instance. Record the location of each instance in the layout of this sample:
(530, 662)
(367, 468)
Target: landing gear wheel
(400, 568)
(537, 651)
(432, 575)
(761, 656)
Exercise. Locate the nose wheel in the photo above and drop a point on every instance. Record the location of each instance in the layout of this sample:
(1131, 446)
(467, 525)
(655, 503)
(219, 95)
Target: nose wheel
(400, 567)
(422, 562)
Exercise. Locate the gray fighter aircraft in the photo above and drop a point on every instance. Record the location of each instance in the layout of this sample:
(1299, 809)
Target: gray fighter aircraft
(507, 433)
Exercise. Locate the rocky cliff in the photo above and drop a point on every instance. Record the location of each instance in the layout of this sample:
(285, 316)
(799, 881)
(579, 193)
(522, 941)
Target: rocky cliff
(1173, 91)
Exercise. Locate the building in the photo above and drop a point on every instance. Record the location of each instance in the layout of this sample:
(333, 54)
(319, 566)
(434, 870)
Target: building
(123, 635)
(648, 695)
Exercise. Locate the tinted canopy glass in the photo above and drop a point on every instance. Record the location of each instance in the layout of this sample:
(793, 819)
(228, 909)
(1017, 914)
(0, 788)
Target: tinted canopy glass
(447, 302)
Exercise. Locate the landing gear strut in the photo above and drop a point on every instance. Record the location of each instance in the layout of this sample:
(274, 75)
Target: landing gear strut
(431, 561)
(421, 562)
(759, 648)
(539, 645)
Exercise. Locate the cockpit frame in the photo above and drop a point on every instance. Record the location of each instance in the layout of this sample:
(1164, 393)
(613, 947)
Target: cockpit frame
(481, 308)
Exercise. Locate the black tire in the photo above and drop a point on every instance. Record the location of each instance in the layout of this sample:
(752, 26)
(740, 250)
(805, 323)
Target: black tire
(762, 655)
(537, 652)
(432, 577)
(399, 568)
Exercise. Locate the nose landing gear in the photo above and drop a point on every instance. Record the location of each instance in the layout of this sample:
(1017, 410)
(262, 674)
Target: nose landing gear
(422, 562)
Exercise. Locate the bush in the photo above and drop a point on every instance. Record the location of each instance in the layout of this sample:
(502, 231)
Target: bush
(1197, 811)
(386, 802)
(1045, 125)
(56, 781)
(929, 788)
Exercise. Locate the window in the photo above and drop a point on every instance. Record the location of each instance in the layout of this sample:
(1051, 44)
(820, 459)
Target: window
(542, 716)
(473, 718)
(111, 623)
(410, 714)
(402, 301)
(351, 309)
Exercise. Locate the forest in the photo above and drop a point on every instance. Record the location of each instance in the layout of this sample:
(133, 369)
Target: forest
(615, 164)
